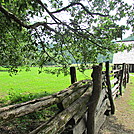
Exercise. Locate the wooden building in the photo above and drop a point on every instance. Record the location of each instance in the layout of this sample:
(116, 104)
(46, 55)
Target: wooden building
(125, 56)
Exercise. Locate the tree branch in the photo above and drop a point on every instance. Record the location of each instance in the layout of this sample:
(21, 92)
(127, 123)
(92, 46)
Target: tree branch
(52, 16)
(12, 16)
(37, 24)
(21, 23)
(73, 4)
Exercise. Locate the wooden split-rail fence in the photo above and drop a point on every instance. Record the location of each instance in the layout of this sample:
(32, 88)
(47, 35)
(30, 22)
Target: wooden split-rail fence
(83, 106)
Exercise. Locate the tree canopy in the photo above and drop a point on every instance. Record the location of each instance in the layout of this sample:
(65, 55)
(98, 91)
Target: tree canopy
(38, 32)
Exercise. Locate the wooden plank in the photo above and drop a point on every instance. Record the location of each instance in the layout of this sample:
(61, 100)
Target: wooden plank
(100, 122)
(116, 71)
(80, 113)
(115, 88)
(75, 95)
(115, 94)
(115, 80)
(80, 127)
(102, 109)
(70, 99)
(57, 124)
(103, 96)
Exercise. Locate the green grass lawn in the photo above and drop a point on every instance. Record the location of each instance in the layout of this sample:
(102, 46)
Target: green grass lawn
(32, 82)
(131, 101)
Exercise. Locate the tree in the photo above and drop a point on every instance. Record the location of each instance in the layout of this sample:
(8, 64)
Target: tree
(55, 31)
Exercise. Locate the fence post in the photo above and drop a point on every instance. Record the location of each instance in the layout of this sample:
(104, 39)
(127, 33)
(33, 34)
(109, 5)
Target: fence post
(127, 73)
(97, 87)
(125, 76)
(121, 79)
(73, 74)
(109, 88)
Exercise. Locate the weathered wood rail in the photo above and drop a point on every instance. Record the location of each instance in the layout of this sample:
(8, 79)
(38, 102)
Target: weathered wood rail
(83, 106)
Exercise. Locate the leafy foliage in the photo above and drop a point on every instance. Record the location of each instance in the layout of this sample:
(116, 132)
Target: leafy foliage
(54, 31)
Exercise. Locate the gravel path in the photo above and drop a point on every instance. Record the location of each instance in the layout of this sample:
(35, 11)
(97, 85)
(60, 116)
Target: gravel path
(122, 122)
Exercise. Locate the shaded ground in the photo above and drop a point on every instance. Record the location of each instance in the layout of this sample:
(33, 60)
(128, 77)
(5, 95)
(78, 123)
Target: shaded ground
(122, 122)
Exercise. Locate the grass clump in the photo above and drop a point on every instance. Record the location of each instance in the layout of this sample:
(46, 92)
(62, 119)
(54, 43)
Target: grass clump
(14, 97)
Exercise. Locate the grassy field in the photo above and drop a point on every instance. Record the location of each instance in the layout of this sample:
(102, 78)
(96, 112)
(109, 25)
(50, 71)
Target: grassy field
(32, 82)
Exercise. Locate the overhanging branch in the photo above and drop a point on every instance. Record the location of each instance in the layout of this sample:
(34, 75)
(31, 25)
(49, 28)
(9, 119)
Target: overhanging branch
(21, 23)
(12, 16)
(46, 25)
(73, 4)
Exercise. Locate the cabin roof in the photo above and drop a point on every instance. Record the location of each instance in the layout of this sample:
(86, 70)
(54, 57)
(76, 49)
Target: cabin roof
(128, 39)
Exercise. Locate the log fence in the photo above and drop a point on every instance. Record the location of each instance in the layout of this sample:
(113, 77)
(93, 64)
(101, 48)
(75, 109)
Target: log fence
(83, 106)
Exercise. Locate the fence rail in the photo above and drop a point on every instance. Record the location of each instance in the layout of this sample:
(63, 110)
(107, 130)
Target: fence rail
(83, 107)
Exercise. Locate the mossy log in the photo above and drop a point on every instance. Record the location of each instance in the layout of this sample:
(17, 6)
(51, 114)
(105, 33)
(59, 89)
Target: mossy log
(74, 96)
(57, 124)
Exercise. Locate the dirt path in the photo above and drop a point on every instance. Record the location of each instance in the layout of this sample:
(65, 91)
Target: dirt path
(122, 122)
